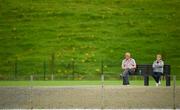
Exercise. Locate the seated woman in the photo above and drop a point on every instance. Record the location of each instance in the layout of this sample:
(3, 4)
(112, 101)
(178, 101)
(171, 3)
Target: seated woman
(158, 65)
(129, 66)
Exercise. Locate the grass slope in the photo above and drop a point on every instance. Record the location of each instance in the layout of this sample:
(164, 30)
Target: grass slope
(86, 31)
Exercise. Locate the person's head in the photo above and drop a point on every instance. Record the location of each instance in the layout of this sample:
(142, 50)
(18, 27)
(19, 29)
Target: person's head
(158, 57)
(127, 55)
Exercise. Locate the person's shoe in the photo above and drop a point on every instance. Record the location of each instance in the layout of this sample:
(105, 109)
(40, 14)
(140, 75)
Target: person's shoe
(157, 84)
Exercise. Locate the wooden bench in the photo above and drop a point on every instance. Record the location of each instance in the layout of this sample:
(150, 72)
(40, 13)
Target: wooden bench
(146, 70)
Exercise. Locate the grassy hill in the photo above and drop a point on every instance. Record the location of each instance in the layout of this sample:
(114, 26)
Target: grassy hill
(86, 32)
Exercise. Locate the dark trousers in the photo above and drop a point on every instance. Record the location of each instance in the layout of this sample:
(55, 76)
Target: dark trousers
(125, 76)
(157, 76)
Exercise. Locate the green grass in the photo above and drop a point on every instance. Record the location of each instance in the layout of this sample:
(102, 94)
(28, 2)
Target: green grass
(76, 83)
(86, 31)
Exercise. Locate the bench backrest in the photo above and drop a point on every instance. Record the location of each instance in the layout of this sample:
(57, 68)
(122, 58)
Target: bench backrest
(146, 69)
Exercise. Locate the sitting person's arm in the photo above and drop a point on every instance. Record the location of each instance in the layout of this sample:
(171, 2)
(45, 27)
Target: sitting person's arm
(158, 64)
(123, 65)
(133, 64)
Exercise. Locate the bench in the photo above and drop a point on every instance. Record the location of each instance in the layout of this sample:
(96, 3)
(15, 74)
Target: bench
(146, 70)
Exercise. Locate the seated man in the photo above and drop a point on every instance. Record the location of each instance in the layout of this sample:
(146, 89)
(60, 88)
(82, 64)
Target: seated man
(129, 66)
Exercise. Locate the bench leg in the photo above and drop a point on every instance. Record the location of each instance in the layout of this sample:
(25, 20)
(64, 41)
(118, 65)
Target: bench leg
(146, 80)
(168, 80)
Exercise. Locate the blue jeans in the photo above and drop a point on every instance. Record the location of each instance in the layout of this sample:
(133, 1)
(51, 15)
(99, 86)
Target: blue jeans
(157, 76)
(125, 75)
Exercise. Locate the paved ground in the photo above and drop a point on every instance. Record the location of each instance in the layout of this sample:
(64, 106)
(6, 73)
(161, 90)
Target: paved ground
(88, 97)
